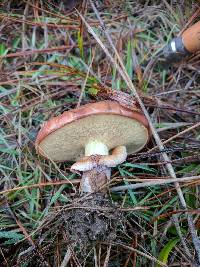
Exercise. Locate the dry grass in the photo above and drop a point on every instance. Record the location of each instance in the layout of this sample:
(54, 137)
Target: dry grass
(49, 64)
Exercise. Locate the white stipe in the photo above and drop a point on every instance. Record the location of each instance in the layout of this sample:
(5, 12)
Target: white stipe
(173, 46)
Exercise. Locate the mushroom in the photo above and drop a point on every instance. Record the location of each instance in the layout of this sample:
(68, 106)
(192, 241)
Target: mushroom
(87, 134)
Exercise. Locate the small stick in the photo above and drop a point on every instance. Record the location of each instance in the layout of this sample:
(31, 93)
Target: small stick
(153, 183)
(107, 257)
(66, 258)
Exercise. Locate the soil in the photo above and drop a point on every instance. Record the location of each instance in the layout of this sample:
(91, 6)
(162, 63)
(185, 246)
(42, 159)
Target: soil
(92, 220)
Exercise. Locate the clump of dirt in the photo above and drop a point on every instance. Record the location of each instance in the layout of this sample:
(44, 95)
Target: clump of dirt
(92, 220)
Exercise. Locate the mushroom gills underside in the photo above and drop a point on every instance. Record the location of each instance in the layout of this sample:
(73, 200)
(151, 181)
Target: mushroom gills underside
(69, 141)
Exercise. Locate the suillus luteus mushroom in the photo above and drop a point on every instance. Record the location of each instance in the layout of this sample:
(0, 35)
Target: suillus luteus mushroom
(97, 136)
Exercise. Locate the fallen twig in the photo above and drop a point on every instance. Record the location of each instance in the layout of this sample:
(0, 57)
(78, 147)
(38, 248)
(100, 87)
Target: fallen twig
(153, 183)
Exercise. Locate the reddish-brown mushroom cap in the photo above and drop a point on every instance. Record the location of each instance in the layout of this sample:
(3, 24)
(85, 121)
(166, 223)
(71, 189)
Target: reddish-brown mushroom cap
(64, 137)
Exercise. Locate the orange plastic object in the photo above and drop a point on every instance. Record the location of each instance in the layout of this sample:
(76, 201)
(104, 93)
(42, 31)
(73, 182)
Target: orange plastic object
(191, 38)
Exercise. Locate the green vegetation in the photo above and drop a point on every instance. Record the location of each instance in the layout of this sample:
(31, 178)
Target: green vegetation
(47, 55)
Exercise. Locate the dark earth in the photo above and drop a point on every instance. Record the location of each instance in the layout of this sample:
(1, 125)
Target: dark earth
(91, 220)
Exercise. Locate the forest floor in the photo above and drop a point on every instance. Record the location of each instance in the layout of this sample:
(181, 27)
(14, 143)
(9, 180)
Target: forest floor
(50, 62)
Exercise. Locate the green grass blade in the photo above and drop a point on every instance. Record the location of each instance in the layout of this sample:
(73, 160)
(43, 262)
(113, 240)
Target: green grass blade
(164, 254)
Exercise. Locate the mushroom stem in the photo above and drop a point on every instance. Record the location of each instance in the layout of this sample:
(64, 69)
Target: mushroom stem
(88, 163)
(97, 168)
(95, 148)
(95, 180)
(118, 156)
